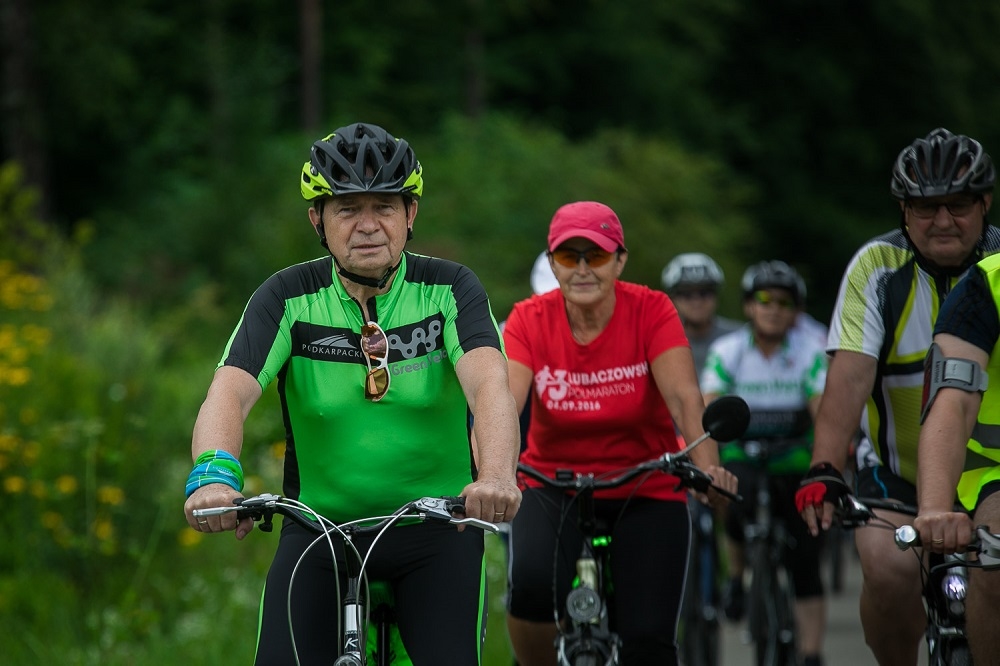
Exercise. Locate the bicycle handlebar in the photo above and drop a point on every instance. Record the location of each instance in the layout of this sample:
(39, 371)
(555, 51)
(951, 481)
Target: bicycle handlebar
(984, 543)
(677, 464)
(261, 508)
(854, 512)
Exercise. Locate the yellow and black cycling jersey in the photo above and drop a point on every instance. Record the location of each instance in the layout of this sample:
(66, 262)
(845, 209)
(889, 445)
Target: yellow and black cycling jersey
(886, 308)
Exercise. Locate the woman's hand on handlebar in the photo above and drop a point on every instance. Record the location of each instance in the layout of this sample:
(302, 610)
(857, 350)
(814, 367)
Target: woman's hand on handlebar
(944, 531)
(491, 499)
(721, 478)
(211, 496)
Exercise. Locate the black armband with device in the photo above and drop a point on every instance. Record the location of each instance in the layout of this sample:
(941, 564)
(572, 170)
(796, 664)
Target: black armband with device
(943, 372)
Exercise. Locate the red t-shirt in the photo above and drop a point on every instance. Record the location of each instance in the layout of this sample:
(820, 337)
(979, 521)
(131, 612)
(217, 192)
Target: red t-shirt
(595, 408)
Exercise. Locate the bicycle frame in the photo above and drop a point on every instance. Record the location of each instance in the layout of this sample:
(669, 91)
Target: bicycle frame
(724, 418)
(699, 633)
(586, 603)
(771, 601)
(354, 620)
(590, 641)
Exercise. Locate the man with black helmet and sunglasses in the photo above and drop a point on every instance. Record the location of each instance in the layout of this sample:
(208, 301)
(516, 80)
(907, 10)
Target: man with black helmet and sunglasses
(879, 336)
(379, 355)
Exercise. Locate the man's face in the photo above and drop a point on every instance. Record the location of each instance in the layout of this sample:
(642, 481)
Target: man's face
(366, 233)
(771, 312)
(946, 229)
(696, 304)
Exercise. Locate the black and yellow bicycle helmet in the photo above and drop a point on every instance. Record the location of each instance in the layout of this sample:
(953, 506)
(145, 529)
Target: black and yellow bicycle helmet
(361, 158)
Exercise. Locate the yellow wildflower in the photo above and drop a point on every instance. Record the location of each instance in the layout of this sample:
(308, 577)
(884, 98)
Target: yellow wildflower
(51, 520)
(103, 529)
(67, 484)
(188, 538)
(110, 495)
(14, 485)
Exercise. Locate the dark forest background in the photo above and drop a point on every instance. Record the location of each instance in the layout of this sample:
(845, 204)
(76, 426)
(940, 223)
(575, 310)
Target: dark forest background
(150, 157)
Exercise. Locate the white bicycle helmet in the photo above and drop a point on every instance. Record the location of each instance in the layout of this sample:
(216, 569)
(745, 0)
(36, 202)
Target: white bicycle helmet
(543, 280)
(691, 269)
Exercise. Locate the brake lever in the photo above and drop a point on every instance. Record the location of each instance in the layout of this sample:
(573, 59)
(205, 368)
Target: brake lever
(692, 477)
(475, 522)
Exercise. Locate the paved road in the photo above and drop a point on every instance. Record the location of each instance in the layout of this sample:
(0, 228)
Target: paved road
(845, 644)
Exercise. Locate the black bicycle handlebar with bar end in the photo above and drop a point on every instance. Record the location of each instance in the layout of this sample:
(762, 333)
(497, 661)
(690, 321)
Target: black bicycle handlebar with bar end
(853, 512)
(261, 508)
(985, 544)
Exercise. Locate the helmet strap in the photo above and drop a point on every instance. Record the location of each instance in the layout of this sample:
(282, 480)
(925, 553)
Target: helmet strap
(367, 281)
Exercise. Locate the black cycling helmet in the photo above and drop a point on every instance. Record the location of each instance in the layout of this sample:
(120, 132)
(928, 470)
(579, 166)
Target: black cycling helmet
(361, 158)
(942, 163)
(773, 275)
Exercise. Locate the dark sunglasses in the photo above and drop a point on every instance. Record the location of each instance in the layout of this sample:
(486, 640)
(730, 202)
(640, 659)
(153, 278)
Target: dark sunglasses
(594, 257)
(958, 207)
(765, 298)
(375, 346)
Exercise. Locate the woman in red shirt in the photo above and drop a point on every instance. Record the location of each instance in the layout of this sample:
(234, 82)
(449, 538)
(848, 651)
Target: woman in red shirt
(612, 383)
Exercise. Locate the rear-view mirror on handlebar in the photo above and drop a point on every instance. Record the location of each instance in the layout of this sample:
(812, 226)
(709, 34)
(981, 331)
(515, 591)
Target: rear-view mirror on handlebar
(726, 418)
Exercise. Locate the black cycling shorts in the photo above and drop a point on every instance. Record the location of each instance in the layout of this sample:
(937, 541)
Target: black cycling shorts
(436, 574)
(649, 551)
(879, 481)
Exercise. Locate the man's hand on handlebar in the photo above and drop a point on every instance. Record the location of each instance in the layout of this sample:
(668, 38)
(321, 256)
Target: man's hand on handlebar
(944, 531)
(211, 496)
(820, 490)
(491, 499)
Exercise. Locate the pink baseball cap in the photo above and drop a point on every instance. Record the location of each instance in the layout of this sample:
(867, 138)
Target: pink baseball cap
(586, 219)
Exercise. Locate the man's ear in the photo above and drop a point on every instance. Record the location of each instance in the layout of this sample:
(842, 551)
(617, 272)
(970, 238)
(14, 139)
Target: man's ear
(988, 201)
(315, 220)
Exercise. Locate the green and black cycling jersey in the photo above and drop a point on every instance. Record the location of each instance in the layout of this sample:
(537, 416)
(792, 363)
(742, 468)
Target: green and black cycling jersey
(346, 456)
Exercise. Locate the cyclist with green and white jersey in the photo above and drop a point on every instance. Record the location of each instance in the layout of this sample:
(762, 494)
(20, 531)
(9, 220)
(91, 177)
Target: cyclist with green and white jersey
(880, 333)
(780, 372)
(379, 357)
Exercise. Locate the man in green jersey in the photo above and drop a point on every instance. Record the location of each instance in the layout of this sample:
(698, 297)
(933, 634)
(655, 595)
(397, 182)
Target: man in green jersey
(379, 356)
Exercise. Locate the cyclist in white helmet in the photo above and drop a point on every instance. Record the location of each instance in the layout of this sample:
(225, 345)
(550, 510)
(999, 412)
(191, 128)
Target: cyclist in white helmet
(692, 280)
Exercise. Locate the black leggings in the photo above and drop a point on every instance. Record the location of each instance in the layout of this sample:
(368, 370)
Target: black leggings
(649, 550)
(437, 577)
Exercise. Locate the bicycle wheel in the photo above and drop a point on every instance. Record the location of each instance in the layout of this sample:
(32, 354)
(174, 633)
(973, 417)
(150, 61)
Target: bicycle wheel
(785, 654)
(771, 619)
(761, 612)
(953, 651)
(698, 633)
